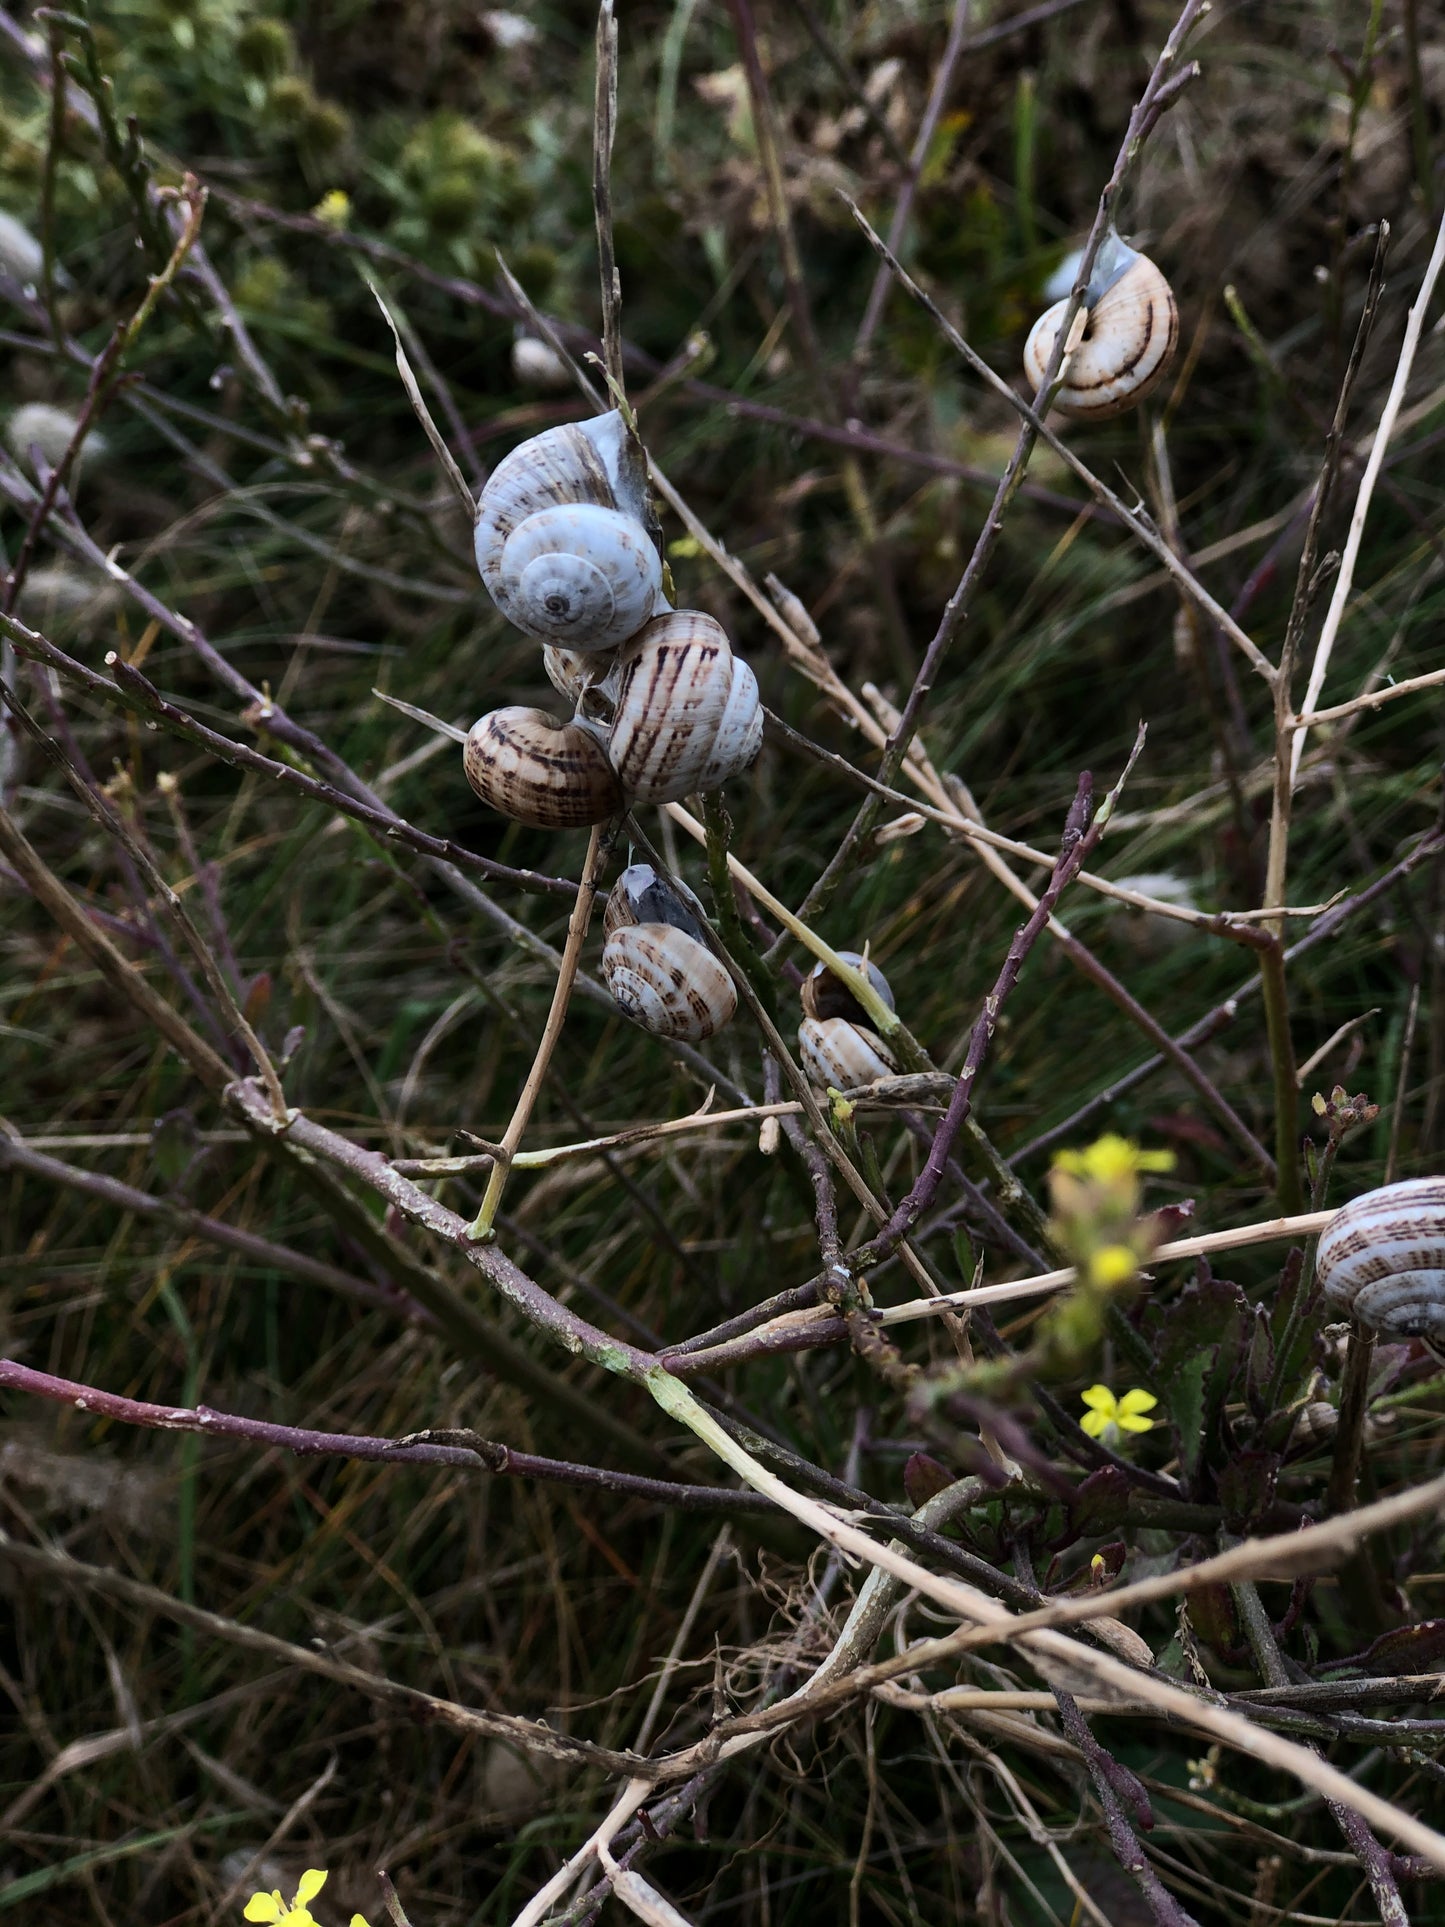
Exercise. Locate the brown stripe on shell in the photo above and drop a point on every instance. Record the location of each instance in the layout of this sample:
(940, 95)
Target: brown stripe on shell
(667, 981)
(674, 687)
(1138, 318)
(550, 775)
(1383, 1258)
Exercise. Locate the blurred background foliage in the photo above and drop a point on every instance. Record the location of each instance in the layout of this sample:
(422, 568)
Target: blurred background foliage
(306, 532)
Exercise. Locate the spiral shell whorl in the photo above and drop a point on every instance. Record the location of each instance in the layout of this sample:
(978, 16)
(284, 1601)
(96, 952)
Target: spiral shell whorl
(561, 538)
(665, 980)
(549, 775)
(1127, 343)
(824, 994)
(842, 1056)
(1382, 1258)
(740, 733)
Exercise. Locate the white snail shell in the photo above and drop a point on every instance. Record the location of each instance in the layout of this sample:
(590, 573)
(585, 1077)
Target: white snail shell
(740, 733)
(551, 775)
(1382, 1258)
(1128, 340)
(673, 693)
(561, 538)
(824, 993)
(842, 1056)
(667, 981)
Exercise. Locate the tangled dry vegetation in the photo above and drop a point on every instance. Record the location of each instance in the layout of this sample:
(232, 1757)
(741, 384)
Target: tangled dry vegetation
(725, 1569)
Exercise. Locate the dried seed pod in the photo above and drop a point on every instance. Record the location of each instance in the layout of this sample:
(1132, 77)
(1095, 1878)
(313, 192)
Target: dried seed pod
(672, 695)
(842, 1056)
(1129, 337)
(639, 896)
(551, 775)
(665, 980)
(1382, 1259)
(740, 733)
(561, 538)
(824, 993)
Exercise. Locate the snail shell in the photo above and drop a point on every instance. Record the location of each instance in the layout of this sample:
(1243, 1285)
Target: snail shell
(551, 775)
(1382, 1258)
(841, 1056)
(561, 538)
(740, 733)
(665, 980)
(640, 895)
(1128, 340)
(824, 993)
(673, 693)
(584, 679)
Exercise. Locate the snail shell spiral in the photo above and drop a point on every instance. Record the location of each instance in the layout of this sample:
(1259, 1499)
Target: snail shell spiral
(842, 1056)
(665, 980)
(824, 993)
(1382, 1258)
(740, 733)
(1128, 341)
(673, 693)
(561, 538)
(550, 775)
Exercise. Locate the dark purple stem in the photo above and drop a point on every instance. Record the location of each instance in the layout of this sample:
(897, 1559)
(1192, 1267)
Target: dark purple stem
(423, 1449)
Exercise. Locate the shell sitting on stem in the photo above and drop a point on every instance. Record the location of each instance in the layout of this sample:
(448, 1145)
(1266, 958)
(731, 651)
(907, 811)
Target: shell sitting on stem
(1382, 1259)
(1130, 329)
(655, 964)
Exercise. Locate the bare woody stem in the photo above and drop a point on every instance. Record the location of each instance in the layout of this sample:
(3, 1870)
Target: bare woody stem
(597, 846)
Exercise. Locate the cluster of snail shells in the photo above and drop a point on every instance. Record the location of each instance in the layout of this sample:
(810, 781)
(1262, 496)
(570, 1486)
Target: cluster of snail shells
(1382, 1259)
(837, 1049)
(1129, 336)
(655, 963)
(662, 707)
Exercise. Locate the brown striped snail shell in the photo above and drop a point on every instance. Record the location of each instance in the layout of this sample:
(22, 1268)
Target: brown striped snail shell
(551, 775)
(561, 537)
(673, 692)
(588, 681)
(842, 1056)
(1382, 1259)
(824, 993)
(740, 733)
(1128, 340)
(665, 980)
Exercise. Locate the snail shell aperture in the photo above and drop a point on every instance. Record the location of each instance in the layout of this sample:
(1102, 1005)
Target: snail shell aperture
(673, 693)
(824, 993)
(667, 981)
(1382, 1258)
(551, 775)
(561, 538)
(640, 895)
(842, 1056)
(1128, 339)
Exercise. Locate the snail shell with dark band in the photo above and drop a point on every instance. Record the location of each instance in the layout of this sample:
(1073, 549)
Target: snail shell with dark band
(666, 981)
(561, 538)
(825, 994)
(550, 775)
(1128, 340)
(1382, 1259)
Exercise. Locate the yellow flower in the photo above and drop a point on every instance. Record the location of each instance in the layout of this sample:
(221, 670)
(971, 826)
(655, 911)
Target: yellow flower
(272, 1909)
(1109, 1415)
(1112, 1159)
(1112, 1265)
(333, 208)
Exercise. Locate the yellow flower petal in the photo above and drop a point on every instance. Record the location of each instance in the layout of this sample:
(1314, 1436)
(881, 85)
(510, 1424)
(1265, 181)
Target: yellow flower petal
(1131, 1422)
(1100, 1398)
(263, 1907)
(358, 1921)
(1138, 1401)
(312, 1881)
(1096, 1423)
